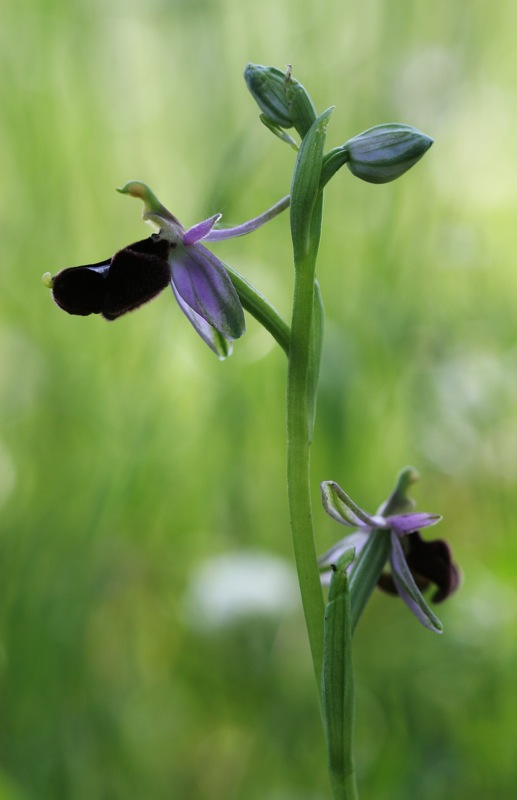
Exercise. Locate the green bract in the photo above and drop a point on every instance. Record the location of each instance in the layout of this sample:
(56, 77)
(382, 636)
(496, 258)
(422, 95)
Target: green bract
(305, 188)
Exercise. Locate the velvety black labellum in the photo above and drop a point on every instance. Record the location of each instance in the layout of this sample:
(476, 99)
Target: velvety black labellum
(133, 276)
(433, 561)
(430, 562)
(137, 274)
(81, 290)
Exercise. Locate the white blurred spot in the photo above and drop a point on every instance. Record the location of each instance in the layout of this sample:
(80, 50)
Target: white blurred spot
(474, 427)
(228, 588)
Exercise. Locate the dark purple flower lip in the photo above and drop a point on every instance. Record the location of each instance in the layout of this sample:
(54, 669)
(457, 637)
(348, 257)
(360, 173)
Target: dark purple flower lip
(415, 564)
(133, 276)
(431, 564)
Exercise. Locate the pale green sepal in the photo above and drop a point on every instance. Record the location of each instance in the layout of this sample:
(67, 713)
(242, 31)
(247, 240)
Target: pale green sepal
(338, 683)
(342, 508)
(399, 502)
(278, 132)
(154, 211)
(305, 186)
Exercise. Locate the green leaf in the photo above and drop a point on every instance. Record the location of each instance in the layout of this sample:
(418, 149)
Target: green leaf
(305, 187)
(338, 683)
(366, 571)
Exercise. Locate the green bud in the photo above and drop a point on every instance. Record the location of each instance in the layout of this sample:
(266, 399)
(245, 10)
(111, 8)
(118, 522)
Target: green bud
(281, 98)
(383, 153)
(267, 86)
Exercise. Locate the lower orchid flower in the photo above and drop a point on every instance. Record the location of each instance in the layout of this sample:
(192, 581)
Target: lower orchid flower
(175, 256)
(414, 563)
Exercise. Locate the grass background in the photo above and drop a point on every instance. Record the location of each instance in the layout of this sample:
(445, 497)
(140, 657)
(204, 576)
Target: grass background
(151, 641)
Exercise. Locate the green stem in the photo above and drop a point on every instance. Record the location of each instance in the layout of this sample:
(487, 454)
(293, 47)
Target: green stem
(306, 216)
(298, 463)
(259, 307)
(300, 405)
(344, 789)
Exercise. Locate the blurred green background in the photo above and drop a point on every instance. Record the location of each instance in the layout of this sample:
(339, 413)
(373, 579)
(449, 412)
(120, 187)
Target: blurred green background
(152, 644)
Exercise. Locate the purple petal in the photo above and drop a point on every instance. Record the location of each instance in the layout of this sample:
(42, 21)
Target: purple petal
(221, 347)
(251, 225)
(332, 556)
(205, 286)
(343, 509)
(407, 588)
(409, 523)
(199, 231)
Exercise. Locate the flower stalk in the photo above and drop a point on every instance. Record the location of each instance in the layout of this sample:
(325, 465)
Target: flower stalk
(212, 296)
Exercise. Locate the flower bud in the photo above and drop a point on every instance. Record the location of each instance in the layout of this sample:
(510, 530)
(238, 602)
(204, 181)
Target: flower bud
(281, 98)
(385, 152)
(267, 86)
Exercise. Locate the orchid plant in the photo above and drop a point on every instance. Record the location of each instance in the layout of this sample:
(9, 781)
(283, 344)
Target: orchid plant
(213, 297)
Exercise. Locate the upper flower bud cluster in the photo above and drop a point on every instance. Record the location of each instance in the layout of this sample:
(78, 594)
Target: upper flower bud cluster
(377, 155)
(284, 102)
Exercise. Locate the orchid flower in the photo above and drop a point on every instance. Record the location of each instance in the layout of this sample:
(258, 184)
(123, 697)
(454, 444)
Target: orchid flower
(414, 563)
(175, 256)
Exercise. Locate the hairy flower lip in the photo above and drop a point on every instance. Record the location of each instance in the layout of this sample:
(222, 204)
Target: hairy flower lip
(141, 271)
